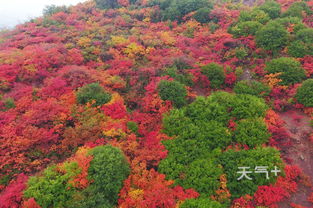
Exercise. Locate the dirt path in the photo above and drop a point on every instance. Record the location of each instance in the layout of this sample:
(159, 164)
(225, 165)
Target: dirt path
(300, 153)
(246, 75)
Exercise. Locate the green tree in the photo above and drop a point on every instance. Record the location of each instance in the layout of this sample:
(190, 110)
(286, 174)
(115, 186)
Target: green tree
(8, 103)
(107, 4)
(239, 106)
(208, 109)
(247, 106)
(287, 21)
(241, 52)
(202, 15)
(272, 8)
(200, 132)
(252, 88)
(108, 170)
(92, 92)
(171, 13)
(297, 9)
(254, 15)
(51, 189)
(252, 132)
(272, 36)
(133, 127)
(201, 203)
(173, 91)
(299, 49)
(231, 160)
(291, 70)
(303, 44)
(305, 35)
(245, 28)
(196, 142)
(202, 175)
(215, 74)
(179, 75)
(305, 93)
(177, 9)
(53, 9)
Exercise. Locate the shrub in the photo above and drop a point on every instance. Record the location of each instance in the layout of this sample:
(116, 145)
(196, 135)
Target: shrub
(272, 8)
(133, 127)
(247, 106)
(173, 91)
(209, 109)
(297, 9)
(171, 13)
(52, 189)
(254, 15)
(201, 203)
(238, 106)
(187, 6)
(8, 104)
(291, 70)
(192, 134)
(231, 160)
(305, 93)
(246, 28)
(272, 36)
(177, 9)
(55, 188)
(200, 131)
(303, 45)
(48, 22)
(107, 170)
(215, 74)
(202, 15)
(305, 35)
(203, 176)
(90, 198)
(241, 52)
(181, 63)
(53, 9)
(183, 78)
(288, 21)
(92, 92)
(299, 49)
(252, 132)
(252, 88)
(107, 4)
(239, 71)
(175, 122)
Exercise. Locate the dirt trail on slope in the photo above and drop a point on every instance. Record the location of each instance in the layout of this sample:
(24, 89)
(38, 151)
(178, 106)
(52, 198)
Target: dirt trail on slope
(246, 75)
(300, 153)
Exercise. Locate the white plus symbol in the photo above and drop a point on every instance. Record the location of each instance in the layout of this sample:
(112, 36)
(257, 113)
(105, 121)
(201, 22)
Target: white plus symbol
(275, 171)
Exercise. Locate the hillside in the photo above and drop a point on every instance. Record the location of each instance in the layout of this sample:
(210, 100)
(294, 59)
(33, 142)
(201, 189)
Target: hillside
(159, 104)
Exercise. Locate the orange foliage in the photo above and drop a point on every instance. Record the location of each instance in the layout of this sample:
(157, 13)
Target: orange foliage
(243, 202)
(147, 188)
(81, 181)
(272, 80)
(30, 203)
(222, 194)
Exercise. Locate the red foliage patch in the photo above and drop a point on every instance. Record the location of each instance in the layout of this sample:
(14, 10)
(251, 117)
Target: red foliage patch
(269, 196)
(11, 197)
